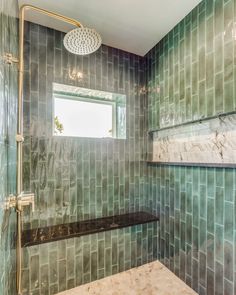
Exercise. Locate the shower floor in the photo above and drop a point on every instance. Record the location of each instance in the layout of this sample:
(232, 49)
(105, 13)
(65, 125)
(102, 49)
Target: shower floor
(150, 279)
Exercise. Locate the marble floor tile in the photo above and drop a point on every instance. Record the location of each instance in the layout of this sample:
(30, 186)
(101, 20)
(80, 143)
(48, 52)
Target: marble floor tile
(150, 279)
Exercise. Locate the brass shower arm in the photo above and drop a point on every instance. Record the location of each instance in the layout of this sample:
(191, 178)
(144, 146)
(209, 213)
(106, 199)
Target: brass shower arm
(51, 14)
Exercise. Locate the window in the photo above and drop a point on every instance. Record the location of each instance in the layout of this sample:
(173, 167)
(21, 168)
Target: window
(82, 112)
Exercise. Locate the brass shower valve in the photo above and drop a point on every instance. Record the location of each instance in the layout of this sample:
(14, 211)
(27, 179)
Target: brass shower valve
(20, 201)
(10, 59)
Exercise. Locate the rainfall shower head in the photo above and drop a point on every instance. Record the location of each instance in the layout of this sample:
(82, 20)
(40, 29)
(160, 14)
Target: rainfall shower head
(82, 41)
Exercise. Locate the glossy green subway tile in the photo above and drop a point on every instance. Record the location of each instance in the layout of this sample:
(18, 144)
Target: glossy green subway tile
(210, 251)
(229, 221)
(209, 42)
(87, 178)
(219, 205)
(8, 115)
(206, 231)
(210, 215)
(194, 69)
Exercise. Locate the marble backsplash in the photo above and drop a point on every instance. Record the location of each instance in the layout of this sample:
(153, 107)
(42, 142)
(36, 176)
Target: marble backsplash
(210, 142)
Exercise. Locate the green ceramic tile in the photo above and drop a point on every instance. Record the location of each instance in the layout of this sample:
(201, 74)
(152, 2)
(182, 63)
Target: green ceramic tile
(193, 68)
(8, 115)
(229, 221)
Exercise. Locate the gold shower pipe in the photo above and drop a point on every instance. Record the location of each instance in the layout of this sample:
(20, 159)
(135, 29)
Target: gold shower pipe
(19, 136)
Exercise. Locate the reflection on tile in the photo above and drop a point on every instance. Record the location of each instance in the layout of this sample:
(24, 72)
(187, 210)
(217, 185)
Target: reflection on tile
(150, 279)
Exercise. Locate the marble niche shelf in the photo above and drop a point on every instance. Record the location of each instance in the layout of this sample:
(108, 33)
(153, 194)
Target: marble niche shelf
(209, 142)
(54, 233)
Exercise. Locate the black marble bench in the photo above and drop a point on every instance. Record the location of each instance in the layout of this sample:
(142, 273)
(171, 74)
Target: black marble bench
(76, 229)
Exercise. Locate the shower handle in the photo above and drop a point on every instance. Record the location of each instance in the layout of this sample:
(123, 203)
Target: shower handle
(24, 200)
(19, 202)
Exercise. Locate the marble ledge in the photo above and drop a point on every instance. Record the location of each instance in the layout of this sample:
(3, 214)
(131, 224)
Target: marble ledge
(54, 233)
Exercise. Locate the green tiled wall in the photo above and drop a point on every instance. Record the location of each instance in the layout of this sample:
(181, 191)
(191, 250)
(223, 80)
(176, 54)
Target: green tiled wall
(191, 74)
(50, 268)
(197, 225)
(77, 179)
(192, 70)
(8, 103)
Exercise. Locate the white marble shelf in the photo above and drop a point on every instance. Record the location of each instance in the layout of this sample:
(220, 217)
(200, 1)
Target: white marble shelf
(210, 144)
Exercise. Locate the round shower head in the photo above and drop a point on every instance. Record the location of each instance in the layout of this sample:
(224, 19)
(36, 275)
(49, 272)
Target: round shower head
(82, 41)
